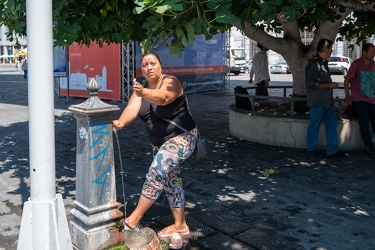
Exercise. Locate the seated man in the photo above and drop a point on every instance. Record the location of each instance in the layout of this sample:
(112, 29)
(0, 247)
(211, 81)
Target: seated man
(361, 77)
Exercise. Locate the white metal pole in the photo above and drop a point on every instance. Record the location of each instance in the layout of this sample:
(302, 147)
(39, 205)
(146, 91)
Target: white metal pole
(41, 103)
(44, 224)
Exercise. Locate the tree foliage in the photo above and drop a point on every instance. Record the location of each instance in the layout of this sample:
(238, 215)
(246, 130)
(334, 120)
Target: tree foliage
(176, 22)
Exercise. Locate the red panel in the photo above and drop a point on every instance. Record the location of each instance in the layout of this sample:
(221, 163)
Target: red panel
(103, 64)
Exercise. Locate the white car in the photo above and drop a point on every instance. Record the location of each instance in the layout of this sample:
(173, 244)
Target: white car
(339, 64)
(280, 68)
(248, 67)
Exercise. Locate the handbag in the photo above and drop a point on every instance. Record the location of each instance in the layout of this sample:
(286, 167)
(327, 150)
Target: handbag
(242, 102)
(200, 148)
(350, 111)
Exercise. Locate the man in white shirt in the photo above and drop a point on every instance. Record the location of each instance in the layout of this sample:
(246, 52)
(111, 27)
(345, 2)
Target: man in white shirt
(260, 69)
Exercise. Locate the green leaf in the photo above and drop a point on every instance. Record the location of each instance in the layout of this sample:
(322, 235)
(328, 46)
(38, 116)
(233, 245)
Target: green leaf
(181, 36)
(94, 20)
(173, 5)
(162, 9)
(267, 172)
(176, 47)
(217, 4)
(176, 5)
(179, 32)
(190, 34)
(107, 25)
(141, 8)
(225, 16)
(200, 26)
(137, 10)
(104, 12)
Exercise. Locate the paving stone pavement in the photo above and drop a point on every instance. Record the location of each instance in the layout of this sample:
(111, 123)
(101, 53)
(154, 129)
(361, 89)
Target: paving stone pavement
(311, 203)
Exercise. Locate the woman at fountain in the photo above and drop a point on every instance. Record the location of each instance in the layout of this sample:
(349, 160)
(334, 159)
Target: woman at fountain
(162, 97)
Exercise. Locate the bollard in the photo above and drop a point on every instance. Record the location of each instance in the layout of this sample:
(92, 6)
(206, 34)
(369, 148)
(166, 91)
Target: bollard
(95, 210)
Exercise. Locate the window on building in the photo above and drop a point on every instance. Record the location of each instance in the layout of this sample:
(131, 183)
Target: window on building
(10, 50)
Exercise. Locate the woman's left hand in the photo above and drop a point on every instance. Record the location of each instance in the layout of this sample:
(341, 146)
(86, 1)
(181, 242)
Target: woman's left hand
(137, 88)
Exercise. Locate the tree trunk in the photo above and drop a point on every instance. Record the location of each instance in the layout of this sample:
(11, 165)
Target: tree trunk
(297, 55)
(298, 73)
(289, 44)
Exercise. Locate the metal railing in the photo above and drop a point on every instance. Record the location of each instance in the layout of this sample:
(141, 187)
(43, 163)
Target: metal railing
(292, 100)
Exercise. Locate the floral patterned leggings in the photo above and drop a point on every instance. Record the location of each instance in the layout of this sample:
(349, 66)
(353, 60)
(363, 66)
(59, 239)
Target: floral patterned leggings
(164, 172)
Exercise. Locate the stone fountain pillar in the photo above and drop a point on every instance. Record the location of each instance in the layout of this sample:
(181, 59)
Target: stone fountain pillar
(95, 212)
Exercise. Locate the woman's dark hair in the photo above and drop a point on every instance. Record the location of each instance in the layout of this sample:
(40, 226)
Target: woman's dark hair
(324, 43)
(150, 53)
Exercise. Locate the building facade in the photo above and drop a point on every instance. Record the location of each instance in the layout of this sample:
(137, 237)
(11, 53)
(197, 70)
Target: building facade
(7, 48)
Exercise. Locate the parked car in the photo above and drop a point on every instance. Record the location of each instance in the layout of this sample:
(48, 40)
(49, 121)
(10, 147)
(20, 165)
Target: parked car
(339, 64)
(248, 67)
(280, 68)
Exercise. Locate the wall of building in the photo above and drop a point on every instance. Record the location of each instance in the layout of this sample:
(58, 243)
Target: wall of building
(7, 48)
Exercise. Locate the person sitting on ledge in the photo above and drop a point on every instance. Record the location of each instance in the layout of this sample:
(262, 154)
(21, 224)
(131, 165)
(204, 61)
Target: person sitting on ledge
(360, 77)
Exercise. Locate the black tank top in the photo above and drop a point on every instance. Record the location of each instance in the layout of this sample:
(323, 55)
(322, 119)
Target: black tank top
(160, 130)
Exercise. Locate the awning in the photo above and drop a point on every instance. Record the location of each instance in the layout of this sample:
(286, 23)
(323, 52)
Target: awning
(21, 52)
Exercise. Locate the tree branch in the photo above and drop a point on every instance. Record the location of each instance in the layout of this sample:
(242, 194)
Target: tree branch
(329, 29)
(291, 29)
(357, 5)
(255, 33)
(278, 44)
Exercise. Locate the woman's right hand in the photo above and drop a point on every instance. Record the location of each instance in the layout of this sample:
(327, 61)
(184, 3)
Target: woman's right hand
(117, 124)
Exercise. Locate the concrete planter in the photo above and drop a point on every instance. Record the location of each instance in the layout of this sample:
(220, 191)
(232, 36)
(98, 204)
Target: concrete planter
(288, 131)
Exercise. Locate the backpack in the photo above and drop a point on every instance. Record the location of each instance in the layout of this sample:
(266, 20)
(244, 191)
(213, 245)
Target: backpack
(242, 102)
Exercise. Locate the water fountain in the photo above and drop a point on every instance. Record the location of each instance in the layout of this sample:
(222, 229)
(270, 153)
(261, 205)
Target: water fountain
(96, 214)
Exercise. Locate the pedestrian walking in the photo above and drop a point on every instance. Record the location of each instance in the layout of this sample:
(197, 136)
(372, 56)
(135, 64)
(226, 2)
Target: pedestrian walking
(24, 68)
(17, 65)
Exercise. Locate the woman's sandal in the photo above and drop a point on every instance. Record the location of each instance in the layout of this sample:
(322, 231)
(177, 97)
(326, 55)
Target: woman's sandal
(176, 241)
(164, 234)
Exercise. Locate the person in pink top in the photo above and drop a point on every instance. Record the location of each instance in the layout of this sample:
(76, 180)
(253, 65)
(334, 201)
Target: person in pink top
(359, 87)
